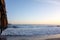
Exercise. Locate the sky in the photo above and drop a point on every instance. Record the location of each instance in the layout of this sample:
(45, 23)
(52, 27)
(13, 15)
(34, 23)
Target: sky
(33, 11)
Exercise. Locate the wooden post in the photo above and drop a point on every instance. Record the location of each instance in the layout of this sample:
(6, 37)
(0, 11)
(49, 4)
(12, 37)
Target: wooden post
(3, 16)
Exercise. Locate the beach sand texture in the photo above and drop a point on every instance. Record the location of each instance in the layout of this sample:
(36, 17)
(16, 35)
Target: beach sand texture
(50, 37)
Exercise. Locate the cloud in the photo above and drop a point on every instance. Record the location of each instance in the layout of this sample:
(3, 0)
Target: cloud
(54, 2)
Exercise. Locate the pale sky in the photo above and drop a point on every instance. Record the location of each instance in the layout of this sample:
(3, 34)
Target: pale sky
(33, 11)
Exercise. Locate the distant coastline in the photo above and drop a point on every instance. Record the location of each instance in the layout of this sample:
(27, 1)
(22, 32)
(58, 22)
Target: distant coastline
(48, 25)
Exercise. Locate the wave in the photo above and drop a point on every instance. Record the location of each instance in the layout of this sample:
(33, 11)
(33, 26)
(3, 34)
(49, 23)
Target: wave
(30, 30)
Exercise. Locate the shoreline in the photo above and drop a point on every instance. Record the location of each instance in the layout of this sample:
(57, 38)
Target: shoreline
(47, 37)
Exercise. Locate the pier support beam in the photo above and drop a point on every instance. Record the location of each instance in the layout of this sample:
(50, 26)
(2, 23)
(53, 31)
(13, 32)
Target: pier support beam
(3, 16)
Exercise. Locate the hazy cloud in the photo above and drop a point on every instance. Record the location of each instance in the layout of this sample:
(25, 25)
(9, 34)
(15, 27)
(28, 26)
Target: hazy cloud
(55, 2)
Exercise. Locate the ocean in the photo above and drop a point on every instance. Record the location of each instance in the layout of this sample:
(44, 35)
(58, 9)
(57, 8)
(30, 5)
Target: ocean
(31, 30)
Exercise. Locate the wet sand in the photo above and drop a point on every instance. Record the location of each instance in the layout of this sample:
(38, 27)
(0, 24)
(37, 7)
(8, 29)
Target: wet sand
(54, 39)
(50, 37)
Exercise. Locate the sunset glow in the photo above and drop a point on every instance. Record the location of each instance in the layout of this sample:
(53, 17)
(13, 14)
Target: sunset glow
(33, 11)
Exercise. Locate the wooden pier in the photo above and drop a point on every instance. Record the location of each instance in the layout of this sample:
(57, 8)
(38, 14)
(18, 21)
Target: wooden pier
(3, 15)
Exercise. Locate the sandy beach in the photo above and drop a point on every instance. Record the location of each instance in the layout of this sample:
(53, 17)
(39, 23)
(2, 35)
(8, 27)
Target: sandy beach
(50, 37)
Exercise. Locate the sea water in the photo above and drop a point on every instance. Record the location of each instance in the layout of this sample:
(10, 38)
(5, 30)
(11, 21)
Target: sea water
(31, 30)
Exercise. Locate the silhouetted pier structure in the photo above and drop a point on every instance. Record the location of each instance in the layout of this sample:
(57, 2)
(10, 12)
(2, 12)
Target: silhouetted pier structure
(3, 16)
